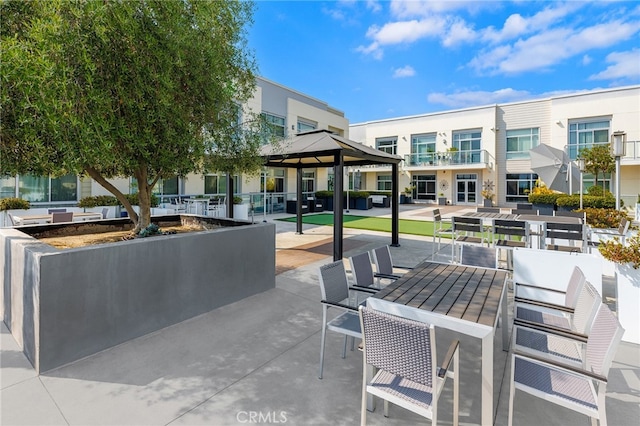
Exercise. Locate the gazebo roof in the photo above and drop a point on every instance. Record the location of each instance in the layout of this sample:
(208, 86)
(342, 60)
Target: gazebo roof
(319, 148)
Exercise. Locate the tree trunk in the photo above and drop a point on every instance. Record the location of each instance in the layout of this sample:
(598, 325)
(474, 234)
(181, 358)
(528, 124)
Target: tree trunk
(95, 175)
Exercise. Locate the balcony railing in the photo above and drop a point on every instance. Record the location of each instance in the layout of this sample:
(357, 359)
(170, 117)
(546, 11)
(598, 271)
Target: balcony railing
(632, 149)
(438, 159)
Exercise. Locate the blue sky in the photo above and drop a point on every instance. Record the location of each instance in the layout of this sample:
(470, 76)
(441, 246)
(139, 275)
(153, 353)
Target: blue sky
(381, 59)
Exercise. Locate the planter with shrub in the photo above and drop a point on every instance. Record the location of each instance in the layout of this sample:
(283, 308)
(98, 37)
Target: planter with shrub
(327, 198)
(11, 206)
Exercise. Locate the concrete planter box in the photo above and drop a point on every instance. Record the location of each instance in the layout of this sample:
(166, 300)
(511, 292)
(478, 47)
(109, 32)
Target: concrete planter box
(63, 305)
(628, 298)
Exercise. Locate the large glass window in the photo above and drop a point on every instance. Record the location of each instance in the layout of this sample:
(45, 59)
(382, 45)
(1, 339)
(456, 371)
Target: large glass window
(425, 187)
(423, 148)
(388, 145)
(7, 187)
(519, 186)
(276, 124)
(217, 184)
(308, 182)
(275, 181)
(306, 125)
(384, 182)
(468, 143)
(520, 141)
(43, 189)
(587, 133)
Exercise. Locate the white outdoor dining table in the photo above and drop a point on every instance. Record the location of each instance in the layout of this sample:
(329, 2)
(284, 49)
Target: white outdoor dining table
(197, 205)
(465, 299)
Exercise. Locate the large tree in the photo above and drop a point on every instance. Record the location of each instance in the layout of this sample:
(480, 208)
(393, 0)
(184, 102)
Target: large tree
(598, 159)
(146, 89)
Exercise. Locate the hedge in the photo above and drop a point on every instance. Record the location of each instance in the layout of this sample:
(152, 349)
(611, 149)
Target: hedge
(573, 201)
(13, 203)
(110, 200)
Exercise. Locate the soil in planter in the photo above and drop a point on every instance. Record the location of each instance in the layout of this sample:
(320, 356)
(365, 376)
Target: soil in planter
(74, 241)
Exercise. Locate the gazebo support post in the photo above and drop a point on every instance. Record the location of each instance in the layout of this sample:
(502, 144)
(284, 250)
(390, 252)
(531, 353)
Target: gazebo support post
(338, 192)
(229, 195)
(299, 201)
(395, 210)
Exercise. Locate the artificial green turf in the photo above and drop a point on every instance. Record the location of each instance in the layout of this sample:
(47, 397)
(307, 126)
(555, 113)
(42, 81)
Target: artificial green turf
(406, 226)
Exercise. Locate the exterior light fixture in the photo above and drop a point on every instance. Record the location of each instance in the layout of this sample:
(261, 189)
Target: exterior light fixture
(618, 149)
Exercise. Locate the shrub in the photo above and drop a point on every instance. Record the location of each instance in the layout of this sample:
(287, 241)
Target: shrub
(615, 251)
(324, 194)
(98, 200)
(546, 198)
(573, 201)
(359, 194)
(604, 218)
(14, 204)
(133, 199)
(237, 200)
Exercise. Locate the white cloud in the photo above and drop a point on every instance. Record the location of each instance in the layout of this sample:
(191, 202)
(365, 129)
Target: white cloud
(459, 32)
(405, 31)
(406, 71)
(550, 47)
(374, 6)
(475, 98)
(586, 60)
(424, 8)
(373, 49)
(624, 65)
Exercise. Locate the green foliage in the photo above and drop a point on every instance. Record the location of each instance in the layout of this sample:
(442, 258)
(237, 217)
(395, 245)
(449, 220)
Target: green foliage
(324, 194)
(143, 89)
(573, 201)
(605, 217)
(14, 204)
(237, 200)
(598, 159)
(98, 200)
(150, 230)
(134, 200)
(358, 194)
(615, 251)
(545, 198)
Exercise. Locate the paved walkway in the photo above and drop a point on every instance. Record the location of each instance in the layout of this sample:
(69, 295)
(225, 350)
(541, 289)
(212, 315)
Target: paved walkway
(256, 361)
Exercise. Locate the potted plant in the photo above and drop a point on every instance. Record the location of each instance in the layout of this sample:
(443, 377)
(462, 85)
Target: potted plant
(9, 204)
(240, 210)
(327, 198)
(442, 200)
(408, 194)
(487, 198)
(626, 258)
(361, 200)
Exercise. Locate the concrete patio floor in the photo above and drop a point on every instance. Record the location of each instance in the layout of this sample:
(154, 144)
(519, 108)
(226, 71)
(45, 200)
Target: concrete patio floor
(256, 361)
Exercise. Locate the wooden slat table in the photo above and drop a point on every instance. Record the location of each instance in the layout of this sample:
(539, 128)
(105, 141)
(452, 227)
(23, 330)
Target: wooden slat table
(46, 218)
(462, 298)
(487, 215)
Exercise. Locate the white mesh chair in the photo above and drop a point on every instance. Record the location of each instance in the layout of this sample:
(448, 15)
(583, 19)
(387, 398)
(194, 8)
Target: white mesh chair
(438, 231)
(335, 290)
(608, 233)
(385, 269)
(576, 325)
(404, 353)
(583, 388)
(574, 287)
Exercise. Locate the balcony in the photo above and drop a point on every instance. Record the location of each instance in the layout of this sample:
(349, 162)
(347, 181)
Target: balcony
(479, 158)
(632, 150)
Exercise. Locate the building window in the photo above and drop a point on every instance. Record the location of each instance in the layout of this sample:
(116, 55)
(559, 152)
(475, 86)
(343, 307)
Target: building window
(384, 182)
(520, 141)
(423, 148)
(275, 181)
(388, 145)
(586, 134)
(468, 144)
(519, 186)
(306, 125)
(308, 182)
(43, 189)
(276, 124)
(217, 184)
(7, 187)
(425, 187)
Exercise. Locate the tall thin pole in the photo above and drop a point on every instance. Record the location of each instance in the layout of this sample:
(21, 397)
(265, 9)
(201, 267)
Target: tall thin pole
(348, 185)
(581, 186)
(264, 200)
(617, 182)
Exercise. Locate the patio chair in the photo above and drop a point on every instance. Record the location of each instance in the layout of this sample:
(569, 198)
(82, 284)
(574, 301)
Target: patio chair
(51, 211)
(335, 291)
(62, 217)
(569, 233)
(571, 294)
(606, 233)
(384, 264)
(582, 389)
(404, 353)
(439, 230)
(105, 212)
(362, 272)
(466, 230)
(508, 235)
(484, 257)
(575, 325)
(563, 213)
(520, 211)
(215, 207)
